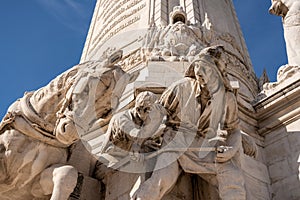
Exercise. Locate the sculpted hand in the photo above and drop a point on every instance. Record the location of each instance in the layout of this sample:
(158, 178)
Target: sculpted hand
(153, 121)
(66, 132)
(224, 153)
(155, 114)
(232, 146)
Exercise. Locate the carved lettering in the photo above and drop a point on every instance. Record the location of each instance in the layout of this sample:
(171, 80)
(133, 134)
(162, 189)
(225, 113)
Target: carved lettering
(118, 12)
(113, 8)
(115, 18)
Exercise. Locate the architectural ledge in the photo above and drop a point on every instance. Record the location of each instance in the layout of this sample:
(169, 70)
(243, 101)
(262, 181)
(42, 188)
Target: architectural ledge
(278, 109)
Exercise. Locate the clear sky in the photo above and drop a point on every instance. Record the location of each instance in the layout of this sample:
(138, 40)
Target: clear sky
(39, 39)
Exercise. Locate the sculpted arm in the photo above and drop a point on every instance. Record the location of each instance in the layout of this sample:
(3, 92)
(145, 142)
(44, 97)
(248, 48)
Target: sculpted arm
(169, 100)
(123, 127)
(233, 144)
(234, 138)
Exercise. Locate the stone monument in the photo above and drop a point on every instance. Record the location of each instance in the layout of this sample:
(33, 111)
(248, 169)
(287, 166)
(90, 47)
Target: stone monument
(164, 105)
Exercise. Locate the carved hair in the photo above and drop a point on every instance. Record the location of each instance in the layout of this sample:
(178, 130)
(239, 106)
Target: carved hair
(146, 98)
(212, 56)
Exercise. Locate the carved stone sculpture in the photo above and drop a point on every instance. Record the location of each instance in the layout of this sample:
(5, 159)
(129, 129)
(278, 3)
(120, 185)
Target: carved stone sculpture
(38, 129)
(202, 129)
(177, 41)
(289, 10)
(286, 75)
(133, 132)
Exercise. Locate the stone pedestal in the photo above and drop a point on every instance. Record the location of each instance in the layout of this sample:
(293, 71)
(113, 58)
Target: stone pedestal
(279, 122)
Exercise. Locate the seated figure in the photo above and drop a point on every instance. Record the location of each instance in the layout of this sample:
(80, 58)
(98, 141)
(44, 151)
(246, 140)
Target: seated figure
(202, 129)
(133, 132)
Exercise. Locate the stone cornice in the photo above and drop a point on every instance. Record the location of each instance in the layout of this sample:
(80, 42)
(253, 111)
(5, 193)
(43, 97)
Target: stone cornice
(278, 109)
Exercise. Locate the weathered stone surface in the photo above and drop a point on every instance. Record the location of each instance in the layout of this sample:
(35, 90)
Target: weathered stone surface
(172, 49)
(289, 10)
(257, 189)
(279, 121)
(39, 130)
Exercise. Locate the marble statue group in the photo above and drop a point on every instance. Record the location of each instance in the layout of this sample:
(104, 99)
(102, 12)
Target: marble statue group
(39, 129)
(197, 113)
(192, 127)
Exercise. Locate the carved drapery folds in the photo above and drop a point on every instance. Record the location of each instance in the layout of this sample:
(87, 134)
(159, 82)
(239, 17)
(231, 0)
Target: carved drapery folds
(195, 115)
(40, 130)
(200, 131)
(289, 10)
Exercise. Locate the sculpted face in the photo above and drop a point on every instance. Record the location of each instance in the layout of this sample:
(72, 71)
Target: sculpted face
(142, 111)
(202, 72)
(206, 75)
(144, 105)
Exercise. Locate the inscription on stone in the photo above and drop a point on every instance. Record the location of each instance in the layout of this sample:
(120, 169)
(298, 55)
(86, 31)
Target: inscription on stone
(116, 17)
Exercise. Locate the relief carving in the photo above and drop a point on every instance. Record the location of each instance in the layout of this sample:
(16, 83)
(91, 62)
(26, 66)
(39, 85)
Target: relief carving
(203, 140)
(177, 41)
(286, 75)
(39, 129)
(132, 133)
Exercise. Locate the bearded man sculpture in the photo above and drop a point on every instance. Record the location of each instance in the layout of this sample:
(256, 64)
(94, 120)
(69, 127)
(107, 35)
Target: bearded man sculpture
(202, 113)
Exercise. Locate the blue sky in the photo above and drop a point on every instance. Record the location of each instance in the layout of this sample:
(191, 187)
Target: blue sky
(39, 39)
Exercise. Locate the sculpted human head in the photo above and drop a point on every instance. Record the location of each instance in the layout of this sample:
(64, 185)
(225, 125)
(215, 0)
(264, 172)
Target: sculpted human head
(207, 68)
(206, 74)
(143, 104)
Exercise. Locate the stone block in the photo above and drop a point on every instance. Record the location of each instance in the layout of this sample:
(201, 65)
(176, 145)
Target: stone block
(81, 151)
(279, 170)
(293, 161)
(143, 74)
(170, 80)
(260, 157)
(156, 74)
(87, 189)
(182, 190)
(174, 67)
(287, 188)
(189, 3)
(256, 189)
(295, 193)
(119, 184)
(294, 140)
(163, 8)
(255, 169)
(275, 136)
(277, 150)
